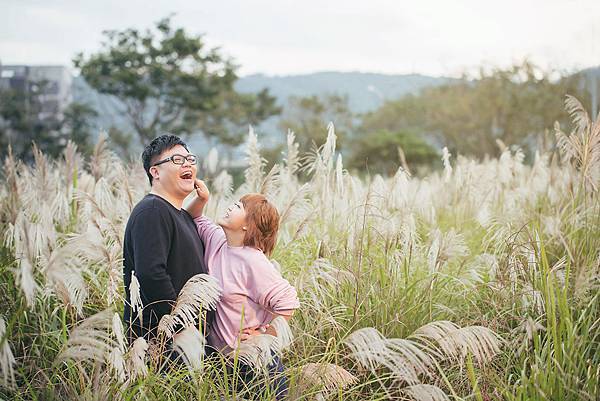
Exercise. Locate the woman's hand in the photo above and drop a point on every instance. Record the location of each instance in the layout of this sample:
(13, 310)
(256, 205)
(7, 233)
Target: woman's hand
(196, 206)
(249, 332)
(202, 191)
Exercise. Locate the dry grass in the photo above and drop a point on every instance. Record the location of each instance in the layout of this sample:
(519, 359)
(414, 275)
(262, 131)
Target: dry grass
(404, 281)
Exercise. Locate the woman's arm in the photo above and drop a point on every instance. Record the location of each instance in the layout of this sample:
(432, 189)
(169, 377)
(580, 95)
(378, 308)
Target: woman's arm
(196, 206)
(268, 328)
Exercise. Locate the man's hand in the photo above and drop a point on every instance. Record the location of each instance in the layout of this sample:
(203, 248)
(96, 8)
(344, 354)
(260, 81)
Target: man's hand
(202, 191)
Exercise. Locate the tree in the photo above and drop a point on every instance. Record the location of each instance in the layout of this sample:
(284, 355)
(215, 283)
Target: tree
(120, 142)
(308, 118)
(169, 82)
(78, 127)
(469, 116)
(230, 119)
(382, 152)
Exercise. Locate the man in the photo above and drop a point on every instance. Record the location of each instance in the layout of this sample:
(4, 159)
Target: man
(161, 246)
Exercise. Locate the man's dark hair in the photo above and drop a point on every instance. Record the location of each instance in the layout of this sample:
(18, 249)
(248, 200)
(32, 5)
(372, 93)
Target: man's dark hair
(156, 147)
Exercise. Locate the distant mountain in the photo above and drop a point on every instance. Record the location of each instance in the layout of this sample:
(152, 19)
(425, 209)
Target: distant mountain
(366, 91)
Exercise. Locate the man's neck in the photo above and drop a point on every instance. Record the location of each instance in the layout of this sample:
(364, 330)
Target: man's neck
(176, 202)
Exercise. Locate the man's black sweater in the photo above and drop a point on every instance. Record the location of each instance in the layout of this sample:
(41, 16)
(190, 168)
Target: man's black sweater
(164, 250)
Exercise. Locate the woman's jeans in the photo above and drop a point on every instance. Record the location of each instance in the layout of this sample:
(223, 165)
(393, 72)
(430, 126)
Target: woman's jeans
(278, 382)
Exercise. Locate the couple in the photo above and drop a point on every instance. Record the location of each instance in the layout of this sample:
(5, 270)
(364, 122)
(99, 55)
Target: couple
(165, 245)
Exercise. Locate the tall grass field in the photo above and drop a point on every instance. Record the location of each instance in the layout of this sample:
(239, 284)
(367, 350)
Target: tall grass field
(477, 282)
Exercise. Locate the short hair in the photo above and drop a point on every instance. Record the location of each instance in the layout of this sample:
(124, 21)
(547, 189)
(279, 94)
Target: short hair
(156, 148)
(262, 221)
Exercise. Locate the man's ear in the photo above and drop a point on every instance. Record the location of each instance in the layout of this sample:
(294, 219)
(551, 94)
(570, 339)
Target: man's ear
(154, 172)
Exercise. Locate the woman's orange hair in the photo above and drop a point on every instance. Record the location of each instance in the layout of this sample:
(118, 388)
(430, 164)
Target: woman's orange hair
(262, 221)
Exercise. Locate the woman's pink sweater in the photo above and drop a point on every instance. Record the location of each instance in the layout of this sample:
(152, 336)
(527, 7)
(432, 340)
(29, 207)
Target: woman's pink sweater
(252, 288)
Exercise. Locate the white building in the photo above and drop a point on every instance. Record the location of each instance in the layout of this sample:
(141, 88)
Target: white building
(52, 82)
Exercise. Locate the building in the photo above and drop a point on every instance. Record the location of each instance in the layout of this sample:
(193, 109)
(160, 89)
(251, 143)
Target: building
(53, 83)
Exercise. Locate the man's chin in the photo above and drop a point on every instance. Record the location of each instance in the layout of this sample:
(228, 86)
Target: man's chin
(187, 188)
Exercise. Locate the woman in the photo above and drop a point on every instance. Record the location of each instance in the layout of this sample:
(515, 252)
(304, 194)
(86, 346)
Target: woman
(254, 293)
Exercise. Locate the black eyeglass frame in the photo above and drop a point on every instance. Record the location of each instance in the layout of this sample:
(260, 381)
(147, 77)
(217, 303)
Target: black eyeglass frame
(170, 159)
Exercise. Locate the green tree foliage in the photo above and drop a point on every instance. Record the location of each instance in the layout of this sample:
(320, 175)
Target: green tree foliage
(120, 142)
(514, 105)
(78, 127)
(382, 152)
(308, 118)
(169, 81)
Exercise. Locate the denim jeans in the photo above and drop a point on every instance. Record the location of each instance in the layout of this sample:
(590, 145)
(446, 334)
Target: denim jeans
(278, 382)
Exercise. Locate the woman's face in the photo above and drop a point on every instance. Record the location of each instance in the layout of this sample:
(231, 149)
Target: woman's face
(234, 218)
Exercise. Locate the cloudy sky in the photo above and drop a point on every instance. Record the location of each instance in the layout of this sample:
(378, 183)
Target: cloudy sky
(282, 37)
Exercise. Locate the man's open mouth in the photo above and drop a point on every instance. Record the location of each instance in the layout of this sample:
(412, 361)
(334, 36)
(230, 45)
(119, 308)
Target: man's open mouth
(186, 175)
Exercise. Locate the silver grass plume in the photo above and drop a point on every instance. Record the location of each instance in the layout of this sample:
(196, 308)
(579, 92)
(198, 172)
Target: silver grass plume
(223, 184)
(257, 351)
(583, 144)
(64, 273)
(447, 166)
(291, 159)
(330, 145)
(425, 392)
(199, 292)
(41, 167)
(271, 181)
(320, 282)
(254, 172)
(97, 339)
(20, 237)
(445, 247)
(102, 159)
(320, 162)
(116, 359)
(136, 361)
(72, 164)
(404, 358)
(210, 161)
(284, 333)
(290, 209)
(325, 377)
(189, 342)
(117, 364)
(135, 297)
(7, 359)
(453, 342)
(167, 325)
(13, 198)
(339, 176)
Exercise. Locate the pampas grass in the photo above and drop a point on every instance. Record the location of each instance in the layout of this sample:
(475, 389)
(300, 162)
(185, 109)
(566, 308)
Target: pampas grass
(189, 342)
(137, 359)
(325, 378)
(7, 360)
(199, 292)
(478, 281)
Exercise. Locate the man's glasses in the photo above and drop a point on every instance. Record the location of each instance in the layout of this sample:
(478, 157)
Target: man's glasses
(178, 159)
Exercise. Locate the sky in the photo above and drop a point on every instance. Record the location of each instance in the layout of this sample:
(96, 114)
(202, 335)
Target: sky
(283, 37)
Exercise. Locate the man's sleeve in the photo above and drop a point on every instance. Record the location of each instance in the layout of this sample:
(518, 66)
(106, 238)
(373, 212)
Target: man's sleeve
(151, 237)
